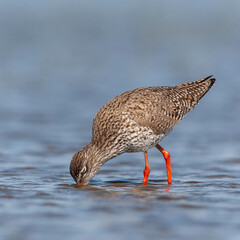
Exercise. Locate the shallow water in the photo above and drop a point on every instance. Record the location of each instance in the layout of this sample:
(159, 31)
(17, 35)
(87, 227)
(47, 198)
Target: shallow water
(60, 63)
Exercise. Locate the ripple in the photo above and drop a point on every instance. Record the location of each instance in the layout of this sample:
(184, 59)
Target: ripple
(219, 176)
(41, 195)
(190, 206)
(234, 160)
(192, 182)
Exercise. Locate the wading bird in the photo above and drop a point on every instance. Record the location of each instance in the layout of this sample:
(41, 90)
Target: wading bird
(136, 121)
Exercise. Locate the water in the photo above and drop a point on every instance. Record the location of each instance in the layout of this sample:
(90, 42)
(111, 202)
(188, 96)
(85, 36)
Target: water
(60, 62)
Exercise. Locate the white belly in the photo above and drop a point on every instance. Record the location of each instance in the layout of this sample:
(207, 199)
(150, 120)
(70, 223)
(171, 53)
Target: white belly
(143, 139)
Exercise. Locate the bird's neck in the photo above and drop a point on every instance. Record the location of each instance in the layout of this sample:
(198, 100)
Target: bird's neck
(96, 153)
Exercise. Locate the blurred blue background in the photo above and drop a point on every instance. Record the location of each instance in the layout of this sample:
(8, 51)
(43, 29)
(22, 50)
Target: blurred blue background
(60, 61)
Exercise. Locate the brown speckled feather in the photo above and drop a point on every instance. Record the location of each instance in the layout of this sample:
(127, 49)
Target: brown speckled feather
(157, 108)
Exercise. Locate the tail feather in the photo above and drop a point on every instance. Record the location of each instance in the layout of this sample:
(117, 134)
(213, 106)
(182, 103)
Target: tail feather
(188, 95)
(196, 89)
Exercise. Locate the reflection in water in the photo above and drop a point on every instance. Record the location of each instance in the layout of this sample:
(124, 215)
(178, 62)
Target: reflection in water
(118, 190)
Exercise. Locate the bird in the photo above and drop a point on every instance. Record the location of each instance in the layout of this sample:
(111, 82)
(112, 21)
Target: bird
(136, 121)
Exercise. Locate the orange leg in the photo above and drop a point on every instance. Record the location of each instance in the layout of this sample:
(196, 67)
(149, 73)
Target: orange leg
(146, 170)
(166, 155)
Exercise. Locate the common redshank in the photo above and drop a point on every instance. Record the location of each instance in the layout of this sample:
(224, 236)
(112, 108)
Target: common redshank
(136, 121)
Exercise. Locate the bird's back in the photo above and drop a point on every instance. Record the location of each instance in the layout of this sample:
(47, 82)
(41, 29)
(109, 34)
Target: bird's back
(161, 108)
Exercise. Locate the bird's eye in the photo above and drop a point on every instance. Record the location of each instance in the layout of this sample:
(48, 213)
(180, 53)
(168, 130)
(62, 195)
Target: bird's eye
(84, 170)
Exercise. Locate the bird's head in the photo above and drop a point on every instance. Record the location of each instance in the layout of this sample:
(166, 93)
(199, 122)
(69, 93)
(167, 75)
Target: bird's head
(84, 165)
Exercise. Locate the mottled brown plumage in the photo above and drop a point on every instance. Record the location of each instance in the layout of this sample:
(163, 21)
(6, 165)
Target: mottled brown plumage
(135, 121)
